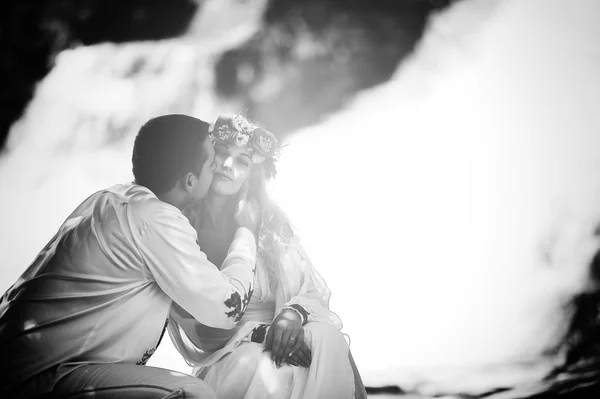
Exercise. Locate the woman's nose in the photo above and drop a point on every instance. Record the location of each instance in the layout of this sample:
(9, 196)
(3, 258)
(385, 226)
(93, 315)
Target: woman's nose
(228, 163)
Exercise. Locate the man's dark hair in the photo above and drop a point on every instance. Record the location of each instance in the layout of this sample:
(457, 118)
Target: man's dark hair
(166, 148)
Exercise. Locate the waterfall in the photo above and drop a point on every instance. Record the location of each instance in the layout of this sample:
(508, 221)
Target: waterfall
(451, 209)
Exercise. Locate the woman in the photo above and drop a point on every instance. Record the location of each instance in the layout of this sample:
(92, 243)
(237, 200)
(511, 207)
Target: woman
(287, 343)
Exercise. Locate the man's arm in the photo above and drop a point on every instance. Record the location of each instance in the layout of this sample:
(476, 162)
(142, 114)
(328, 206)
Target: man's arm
(214, 298)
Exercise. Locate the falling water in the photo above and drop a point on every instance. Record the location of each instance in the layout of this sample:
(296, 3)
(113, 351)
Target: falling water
(451, 210)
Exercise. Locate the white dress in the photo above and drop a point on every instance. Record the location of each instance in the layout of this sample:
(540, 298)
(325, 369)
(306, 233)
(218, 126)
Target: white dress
(235, 367)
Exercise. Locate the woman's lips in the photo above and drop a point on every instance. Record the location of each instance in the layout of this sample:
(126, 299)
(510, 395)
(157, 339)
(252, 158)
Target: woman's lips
(223, 176)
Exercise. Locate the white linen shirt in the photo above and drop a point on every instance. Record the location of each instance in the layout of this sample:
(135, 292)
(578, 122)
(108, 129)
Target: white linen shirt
(101, 289)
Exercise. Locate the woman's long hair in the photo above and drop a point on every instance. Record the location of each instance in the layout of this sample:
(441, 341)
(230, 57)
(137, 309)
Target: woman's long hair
(274, 227)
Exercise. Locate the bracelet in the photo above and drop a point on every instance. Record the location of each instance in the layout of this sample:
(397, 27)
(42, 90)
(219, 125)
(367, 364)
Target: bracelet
(300, 311)
(259, 333)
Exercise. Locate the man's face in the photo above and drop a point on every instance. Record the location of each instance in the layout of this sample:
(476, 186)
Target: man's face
(206, 173)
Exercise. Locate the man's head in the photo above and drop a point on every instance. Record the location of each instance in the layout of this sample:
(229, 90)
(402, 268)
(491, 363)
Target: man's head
(171, 152)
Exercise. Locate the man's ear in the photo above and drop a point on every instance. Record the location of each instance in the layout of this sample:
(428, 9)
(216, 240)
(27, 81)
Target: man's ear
(188, 182)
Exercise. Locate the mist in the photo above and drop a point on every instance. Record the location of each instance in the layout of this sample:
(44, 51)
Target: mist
(452, 210)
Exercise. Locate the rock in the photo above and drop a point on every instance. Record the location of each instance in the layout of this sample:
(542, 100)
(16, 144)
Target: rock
(34, 31)
(387, 389)
(312, 56)
(309, 59)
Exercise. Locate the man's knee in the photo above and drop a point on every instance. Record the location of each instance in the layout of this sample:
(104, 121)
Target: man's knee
(182, 386)
(185, 386)
(196, 390)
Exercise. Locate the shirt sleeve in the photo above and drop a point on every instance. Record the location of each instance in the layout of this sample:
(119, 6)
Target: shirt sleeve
(311, 299)
(215, 298)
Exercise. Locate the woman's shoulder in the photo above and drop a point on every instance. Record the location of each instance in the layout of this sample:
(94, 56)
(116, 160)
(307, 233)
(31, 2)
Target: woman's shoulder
(294, 253)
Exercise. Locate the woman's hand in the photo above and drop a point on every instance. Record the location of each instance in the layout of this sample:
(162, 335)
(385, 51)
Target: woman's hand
(285, 340)
(301, 357)
(247, 213)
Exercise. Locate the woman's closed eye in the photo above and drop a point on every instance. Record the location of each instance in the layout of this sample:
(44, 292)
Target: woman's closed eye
(219, 149)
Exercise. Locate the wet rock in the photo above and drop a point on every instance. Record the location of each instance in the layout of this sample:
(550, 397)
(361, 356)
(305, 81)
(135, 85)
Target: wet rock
(579, 374)
(385, 390)
(312, 56)
(32, 32)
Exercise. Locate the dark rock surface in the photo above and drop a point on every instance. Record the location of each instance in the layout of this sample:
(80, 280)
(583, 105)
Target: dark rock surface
(32, 32)
(385, 390)
(312, 56)
(579, 374)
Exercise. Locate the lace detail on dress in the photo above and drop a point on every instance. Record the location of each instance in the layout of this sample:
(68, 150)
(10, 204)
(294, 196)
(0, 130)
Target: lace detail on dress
(299, 309)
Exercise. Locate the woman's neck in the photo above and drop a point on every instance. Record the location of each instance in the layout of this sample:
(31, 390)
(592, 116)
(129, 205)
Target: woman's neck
(219, 209)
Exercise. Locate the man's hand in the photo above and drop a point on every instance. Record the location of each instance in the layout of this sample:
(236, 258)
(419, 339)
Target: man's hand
(285, 340)
(247, 213)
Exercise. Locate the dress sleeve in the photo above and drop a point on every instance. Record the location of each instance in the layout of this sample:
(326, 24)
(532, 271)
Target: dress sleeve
(311, 299)
(215, 298)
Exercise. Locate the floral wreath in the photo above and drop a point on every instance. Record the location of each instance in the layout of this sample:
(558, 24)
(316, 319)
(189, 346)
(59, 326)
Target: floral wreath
(260, 143)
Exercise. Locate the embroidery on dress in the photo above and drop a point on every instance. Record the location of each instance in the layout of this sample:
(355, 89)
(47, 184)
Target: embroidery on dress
(259, 333)
(237, 305)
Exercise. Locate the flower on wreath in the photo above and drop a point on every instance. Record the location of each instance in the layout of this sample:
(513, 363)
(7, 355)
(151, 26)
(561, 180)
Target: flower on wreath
(260, 143)
(264, 144)
(225, 133)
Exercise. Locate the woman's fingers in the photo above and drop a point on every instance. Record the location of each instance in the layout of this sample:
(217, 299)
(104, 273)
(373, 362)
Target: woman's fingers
(290, 344)
(299, 341)
(304, 355)
(287, 341)
(294, 343)
(242, 199)
(295, 360)
(269, 339)
(247, 213)
(277, 338)
(243, 193)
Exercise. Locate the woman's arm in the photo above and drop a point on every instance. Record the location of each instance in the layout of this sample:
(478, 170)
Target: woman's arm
(311, 297)
(306, 298)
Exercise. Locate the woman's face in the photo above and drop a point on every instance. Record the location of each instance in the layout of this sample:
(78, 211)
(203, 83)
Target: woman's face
(233, 166)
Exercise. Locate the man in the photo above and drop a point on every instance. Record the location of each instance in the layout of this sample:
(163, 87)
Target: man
(88, 313)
